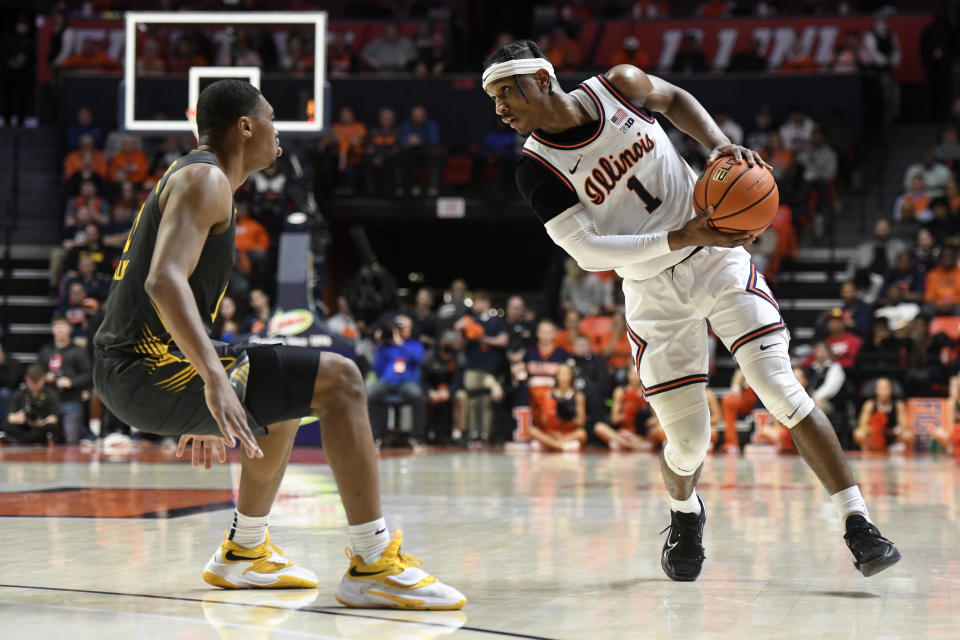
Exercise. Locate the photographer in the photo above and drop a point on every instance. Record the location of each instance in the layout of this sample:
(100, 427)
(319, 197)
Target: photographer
(486, 339)
(397, 367)
(443, 379)
(33, 411)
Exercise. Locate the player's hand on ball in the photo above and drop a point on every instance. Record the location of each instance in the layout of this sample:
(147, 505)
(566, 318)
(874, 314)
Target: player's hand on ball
(205, 448)
(231, 417)
(740, 154)
(698, 233)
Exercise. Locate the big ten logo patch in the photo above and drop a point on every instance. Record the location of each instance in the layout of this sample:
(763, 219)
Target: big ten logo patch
(523, 417)
(925, 416)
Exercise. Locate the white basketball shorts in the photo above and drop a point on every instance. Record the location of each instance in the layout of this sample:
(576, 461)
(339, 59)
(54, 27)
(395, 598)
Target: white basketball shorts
(667, 315)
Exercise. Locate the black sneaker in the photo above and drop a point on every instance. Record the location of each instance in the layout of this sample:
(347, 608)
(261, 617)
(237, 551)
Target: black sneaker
(871, 551)
(682, 556)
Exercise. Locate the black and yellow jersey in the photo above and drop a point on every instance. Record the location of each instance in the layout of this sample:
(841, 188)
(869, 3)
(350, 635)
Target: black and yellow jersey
(132, 325)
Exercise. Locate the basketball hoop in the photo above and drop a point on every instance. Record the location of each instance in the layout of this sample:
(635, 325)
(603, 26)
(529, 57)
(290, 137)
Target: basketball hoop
(192, 117)
(137, 22)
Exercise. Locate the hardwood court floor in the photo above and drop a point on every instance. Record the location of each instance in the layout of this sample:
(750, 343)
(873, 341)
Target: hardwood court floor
(544, 546)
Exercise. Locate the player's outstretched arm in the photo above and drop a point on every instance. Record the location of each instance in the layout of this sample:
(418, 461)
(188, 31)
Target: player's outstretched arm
(681, 108)
(198, 199)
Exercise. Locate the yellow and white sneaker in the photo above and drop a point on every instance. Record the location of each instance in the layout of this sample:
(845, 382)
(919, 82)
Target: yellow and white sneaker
(262, 567)
(395, 581)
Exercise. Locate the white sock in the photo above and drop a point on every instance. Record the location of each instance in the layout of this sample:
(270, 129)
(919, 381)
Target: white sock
(848, 502)
(248, 531)
(690, 505)
(369, 539)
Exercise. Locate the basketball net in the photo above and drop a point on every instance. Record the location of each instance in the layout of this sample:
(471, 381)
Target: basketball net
(192, 117)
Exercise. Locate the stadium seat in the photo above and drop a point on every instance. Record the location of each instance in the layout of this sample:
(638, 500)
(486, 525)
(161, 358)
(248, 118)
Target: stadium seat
(458, 171)
(949, 325)
(598, 329)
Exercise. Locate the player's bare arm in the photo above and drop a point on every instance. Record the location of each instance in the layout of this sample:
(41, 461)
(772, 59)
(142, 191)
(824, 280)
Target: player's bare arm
(688, 115)
(682, 109)
(197, 203)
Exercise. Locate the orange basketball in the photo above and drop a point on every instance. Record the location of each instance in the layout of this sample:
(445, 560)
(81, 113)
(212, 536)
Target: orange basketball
(744, 198)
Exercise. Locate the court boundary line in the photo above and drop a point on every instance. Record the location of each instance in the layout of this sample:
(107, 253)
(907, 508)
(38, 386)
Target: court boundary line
(324, 611)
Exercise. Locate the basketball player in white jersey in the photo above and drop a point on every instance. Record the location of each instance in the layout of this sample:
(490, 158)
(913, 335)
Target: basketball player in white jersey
(611, 190)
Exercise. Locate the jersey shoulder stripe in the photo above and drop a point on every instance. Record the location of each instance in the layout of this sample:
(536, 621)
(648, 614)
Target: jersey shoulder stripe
(623, 99)
(536, 156)
(568, 147)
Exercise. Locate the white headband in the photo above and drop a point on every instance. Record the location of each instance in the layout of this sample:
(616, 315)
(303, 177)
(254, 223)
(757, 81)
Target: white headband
(502, 70)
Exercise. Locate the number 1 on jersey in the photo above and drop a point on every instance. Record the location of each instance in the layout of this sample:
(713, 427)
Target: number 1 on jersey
(649, 201)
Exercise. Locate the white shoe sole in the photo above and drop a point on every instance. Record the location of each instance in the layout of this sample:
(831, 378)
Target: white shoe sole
(232, 576)
(369, 594)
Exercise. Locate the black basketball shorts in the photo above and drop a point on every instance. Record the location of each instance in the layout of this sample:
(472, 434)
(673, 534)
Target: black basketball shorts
(164, 395)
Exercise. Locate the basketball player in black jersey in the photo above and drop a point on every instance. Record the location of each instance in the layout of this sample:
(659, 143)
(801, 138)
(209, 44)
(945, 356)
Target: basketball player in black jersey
(157, 370)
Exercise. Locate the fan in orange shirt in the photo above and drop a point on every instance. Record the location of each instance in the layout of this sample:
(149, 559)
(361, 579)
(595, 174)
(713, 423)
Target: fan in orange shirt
(91, 58)
(253, 242)
(185, 57)
(914, 205)
(618, 352)
(798, 61)
(562, 50)
(739, 402)
(714, 9)
(953, 195)
(943, 283)
(571, 329)
(631, 53)
(74, 161)
(296, 59)
(150, 62)
(130, 163)
(350, 136)
(779, 157)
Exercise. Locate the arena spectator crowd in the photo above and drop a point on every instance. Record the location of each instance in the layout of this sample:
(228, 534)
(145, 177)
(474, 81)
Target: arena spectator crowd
(470, 371)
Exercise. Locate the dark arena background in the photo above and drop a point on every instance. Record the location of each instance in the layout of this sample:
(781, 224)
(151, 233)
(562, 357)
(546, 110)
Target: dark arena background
(392, 232)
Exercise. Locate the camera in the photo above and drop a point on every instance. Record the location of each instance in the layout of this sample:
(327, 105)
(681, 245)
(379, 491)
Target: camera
(33, 408)
(385, 334)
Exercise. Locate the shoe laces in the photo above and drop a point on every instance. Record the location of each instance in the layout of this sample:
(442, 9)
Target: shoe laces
(392, 554)
(405, 560)
(688, 531)
(682, 524)
(862, 535)
(276, 548)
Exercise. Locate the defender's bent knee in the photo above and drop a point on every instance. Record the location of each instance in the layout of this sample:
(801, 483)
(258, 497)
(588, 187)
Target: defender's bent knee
(766, 366)
(338, 380)
(685, 417)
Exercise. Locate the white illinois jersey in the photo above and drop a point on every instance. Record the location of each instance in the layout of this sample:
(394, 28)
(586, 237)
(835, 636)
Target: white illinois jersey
(620, 171)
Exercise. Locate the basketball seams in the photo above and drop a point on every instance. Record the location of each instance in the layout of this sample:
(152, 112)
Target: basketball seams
(706, 184)
(732, 230)
(696, 186)
(730, 186)
(749, 206)
(706, 178)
